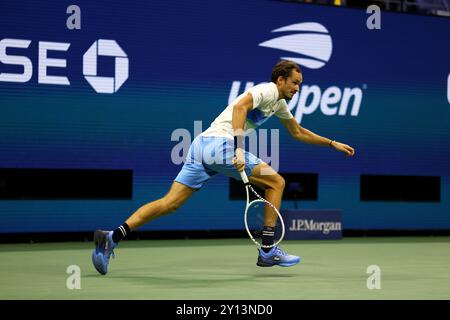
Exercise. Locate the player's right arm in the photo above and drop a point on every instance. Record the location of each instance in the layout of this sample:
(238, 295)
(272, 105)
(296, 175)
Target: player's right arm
(240, 110)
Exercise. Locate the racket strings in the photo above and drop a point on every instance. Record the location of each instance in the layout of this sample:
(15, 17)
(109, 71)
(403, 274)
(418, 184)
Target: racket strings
(257, 221)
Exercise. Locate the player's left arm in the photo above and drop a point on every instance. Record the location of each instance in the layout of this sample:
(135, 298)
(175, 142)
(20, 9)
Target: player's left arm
(303, 134)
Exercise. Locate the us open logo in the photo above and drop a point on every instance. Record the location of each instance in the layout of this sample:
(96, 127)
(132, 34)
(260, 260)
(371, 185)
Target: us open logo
(311, 41)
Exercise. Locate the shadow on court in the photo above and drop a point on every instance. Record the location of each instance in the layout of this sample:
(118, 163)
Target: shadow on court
(177, 281)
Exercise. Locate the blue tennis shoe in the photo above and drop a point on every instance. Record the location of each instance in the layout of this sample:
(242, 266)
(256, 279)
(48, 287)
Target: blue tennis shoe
(276, 257)
(104, 248)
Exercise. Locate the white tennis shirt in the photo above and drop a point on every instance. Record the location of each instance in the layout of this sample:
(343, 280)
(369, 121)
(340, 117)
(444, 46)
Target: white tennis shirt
(265, 105)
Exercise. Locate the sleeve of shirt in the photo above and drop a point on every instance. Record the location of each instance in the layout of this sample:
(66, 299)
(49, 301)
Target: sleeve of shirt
(262, 93)
(283, 112)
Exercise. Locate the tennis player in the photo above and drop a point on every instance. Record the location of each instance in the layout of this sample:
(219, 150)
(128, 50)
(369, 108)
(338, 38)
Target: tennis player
(212, 152)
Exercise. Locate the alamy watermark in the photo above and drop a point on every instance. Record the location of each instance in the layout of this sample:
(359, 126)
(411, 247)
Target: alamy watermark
(74, 279)
(374, 280)
(221, 151)
(74, 20)
(374, 20)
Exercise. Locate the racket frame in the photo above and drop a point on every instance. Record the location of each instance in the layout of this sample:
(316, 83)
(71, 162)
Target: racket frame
(248, 187)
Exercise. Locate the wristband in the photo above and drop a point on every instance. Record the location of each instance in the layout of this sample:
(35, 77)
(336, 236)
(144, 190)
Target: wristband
(331, 141)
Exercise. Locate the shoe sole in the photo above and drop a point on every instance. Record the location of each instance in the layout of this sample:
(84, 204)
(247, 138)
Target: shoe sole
(99, 268)
(265, 265)
(286, 264)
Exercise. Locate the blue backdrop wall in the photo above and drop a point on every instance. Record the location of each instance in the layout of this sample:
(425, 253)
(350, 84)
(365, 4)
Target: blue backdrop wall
(186, 59)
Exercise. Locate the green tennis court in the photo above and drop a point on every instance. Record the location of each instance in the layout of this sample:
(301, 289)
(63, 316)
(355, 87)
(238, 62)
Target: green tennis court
(411, 268)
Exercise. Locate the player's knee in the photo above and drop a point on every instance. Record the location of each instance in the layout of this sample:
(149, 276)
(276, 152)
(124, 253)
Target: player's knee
(279, 182)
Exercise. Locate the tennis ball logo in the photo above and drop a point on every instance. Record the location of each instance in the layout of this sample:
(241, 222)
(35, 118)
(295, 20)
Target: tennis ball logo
(311, 41)
(109, 48)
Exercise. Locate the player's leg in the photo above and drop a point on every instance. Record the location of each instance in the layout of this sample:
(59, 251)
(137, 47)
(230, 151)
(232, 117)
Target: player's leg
(177, 195)
(106, 241)
(259, 173)
(191, 177)
(263, 176)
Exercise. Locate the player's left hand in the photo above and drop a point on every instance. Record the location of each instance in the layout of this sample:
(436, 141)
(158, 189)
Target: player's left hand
(349, 151)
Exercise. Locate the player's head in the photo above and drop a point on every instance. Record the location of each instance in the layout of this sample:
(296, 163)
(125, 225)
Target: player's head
(288, 77)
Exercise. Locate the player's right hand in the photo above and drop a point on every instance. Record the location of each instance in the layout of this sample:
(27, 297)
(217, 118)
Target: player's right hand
(239, 159)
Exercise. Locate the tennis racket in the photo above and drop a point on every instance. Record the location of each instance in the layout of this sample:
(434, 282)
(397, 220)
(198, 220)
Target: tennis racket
(254, 216)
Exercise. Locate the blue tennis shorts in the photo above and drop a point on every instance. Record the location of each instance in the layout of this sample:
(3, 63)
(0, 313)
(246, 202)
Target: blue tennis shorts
(208, 156)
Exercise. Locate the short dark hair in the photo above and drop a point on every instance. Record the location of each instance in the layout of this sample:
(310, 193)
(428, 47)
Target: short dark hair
(284, 69)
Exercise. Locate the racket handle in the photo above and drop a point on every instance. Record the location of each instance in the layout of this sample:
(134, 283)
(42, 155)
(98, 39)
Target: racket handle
(243, 176)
